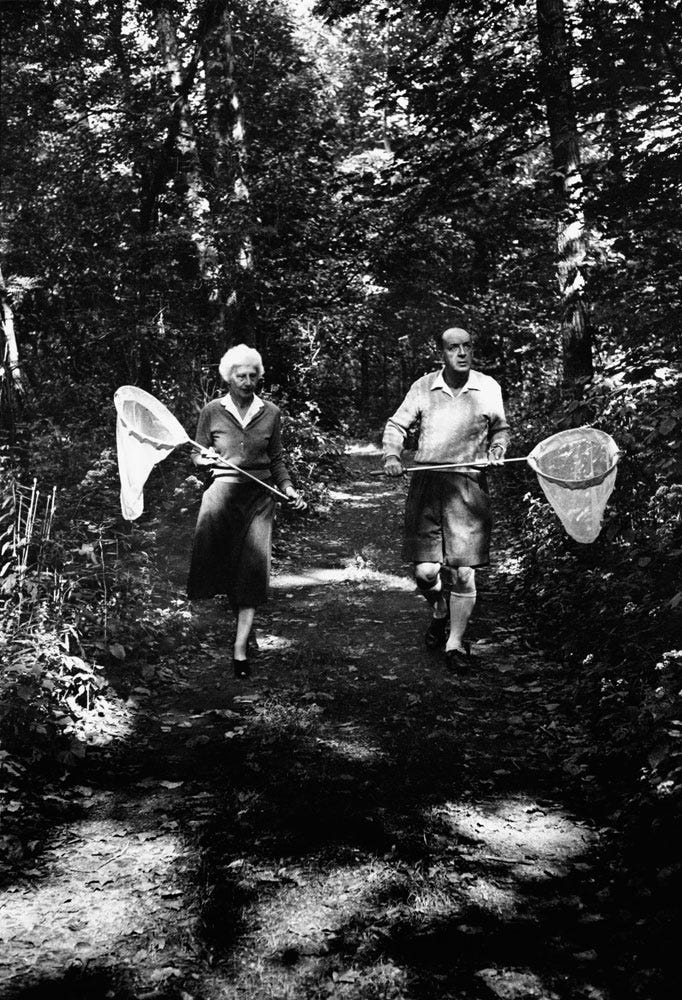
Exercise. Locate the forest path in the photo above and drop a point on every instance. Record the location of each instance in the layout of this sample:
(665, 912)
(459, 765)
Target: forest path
(353, 822)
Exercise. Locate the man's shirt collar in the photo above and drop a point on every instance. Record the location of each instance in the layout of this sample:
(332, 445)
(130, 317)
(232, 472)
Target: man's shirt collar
(473, 382)
(257, 405)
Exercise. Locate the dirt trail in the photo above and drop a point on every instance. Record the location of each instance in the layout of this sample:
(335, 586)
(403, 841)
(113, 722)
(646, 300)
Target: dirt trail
(353, 822)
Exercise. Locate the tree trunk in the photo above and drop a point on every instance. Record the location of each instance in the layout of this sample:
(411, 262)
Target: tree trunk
(115, 12)
(166, 161)
(557, 91)
(596, 23)
(228, 159)
(662, 22)
(365, 395)
(12, 390)
(179, 159)
(186, 147)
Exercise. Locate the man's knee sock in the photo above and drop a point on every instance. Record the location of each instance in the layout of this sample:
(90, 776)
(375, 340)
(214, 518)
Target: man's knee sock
(462, 601)
(461, 608)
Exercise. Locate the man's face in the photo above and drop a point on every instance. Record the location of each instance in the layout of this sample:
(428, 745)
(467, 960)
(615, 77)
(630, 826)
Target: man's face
(457, 351)
(242, 382)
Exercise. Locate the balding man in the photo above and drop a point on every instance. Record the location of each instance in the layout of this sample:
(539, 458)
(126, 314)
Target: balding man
(447, 516)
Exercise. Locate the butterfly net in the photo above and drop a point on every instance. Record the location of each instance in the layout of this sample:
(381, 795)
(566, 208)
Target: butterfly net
(577, 472)
(146, 433)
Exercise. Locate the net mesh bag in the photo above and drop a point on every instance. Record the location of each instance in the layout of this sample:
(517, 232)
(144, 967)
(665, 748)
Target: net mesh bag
(577, 472)
(146, 433)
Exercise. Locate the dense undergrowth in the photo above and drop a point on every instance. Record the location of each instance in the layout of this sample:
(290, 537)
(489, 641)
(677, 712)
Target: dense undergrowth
(612, 610)
(87, 614)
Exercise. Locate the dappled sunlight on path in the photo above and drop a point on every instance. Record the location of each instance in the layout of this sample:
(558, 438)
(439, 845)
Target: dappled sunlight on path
(103, 884)
(356, 573)
(518, 831)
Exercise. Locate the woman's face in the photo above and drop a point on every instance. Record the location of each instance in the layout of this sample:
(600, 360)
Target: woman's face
(242, 382)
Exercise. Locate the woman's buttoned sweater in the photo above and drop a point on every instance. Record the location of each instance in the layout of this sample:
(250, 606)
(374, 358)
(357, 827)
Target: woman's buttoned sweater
(256, 448)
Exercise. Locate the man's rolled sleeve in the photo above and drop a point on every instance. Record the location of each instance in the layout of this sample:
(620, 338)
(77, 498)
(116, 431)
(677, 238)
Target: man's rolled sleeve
(498, 436)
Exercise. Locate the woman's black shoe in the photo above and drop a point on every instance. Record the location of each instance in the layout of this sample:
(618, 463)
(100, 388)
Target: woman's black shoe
(437, 632)
(242, 669)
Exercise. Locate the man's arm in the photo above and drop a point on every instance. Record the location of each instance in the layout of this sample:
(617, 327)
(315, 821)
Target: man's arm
(498, 431)
(396, 430)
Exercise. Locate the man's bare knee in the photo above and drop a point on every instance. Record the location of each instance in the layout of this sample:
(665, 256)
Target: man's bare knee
(426, 575)
(463, 581)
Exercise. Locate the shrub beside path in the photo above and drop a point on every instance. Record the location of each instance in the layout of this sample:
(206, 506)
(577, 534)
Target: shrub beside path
(353, 822)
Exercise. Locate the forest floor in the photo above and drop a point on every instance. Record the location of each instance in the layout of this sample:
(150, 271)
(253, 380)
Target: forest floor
(352, 822)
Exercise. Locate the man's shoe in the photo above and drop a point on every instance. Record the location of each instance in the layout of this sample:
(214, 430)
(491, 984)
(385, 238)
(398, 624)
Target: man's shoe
(457, 661)
(242, 669)
(437, 632)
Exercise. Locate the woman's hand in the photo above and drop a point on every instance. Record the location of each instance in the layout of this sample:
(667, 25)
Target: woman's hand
(205, 457)
(295, 499)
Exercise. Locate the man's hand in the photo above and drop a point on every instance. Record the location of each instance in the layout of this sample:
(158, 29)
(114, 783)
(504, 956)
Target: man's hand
(496, 455)
(393, 467)
(295, 499)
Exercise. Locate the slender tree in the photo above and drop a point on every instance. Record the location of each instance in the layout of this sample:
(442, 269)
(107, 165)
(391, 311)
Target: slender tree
(12, 390)
(230, 186)
(557, 91)
(182, 140)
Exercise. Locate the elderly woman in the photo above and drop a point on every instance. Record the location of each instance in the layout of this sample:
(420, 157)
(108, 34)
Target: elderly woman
(232, 539)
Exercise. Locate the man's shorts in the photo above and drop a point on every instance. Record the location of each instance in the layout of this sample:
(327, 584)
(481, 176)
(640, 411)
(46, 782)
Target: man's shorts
(447, 519)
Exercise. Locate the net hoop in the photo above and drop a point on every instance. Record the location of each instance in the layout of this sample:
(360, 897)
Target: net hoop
(576, 470)
(132, 394)
(146, 433)
(603, 440)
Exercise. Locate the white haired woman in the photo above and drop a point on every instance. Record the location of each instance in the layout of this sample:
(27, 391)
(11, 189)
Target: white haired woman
(232, 539)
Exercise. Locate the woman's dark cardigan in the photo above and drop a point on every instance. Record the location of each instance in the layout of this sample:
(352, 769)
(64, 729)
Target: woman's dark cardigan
(257, 448)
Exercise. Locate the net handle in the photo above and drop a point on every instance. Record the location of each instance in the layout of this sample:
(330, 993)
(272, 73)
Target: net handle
(463, 465)
(230, 465)
(455, 465)
(486, 465)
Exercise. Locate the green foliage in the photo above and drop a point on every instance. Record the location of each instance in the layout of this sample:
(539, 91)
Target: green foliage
(313, 455)
(612, 610)
(45, 691)
(397, 175)
(44, 684)
(663, 704)
(48, 684)
(69, 579)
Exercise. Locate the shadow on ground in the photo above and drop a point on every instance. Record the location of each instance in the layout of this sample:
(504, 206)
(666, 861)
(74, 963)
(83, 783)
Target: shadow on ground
(353, 822)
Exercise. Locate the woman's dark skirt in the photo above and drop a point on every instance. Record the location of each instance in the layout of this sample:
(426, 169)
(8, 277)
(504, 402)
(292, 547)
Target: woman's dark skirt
(232, 544)
(448, 519)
